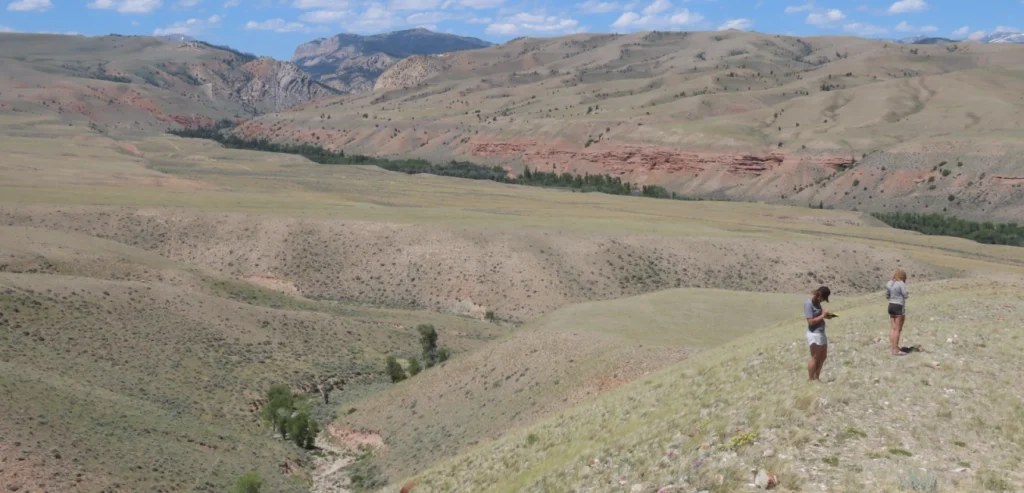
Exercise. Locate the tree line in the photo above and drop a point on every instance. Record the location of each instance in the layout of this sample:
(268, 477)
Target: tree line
(938, 224)
(285, 416)
(602, 183)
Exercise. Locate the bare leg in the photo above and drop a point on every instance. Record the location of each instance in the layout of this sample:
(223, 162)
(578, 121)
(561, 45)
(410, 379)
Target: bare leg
(893, 336)
(812, 364)
(899, 331)
(822, 356)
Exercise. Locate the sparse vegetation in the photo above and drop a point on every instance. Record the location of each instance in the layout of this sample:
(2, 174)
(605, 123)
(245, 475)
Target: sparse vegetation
(250, 483)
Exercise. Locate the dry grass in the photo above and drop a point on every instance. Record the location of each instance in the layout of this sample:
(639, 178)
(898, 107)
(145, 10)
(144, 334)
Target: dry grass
(140, 372)
(949, 412)
(564, 358)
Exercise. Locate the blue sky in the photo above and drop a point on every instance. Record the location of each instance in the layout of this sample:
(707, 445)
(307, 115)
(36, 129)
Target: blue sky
(275, 27)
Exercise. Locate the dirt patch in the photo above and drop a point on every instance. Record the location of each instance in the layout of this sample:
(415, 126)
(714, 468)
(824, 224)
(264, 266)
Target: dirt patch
(131, 149)
(274, 283)
(163, 182)
(354, 440)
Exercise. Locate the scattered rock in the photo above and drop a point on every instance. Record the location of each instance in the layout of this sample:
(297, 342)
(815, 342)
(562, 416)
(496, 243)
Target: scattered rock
(408, 487)
(768, 452)
(637, 488)
(765, 480)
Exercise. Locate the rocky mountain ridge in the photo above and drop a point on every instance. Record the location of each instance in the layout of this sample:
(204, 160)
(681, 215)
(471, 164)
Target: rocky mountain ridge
(144, 83)
(352, 63)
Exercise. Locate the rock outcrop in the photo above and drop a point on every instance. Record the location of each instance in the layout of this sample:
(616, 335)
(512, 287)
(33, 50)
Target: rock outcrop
(412, 71)
(276, 86)
(352, 63)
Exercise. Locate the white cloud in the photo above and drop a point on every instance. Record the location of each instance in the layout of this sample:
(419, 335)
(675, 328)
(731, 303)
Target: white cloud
(376, 17)
(598, 7)
(335, 5)
(126, 6)
(740, 24)
(631, 21)
(478, 20)
(427, 18)
(30, 6)
(904, 27)
(657, 7)
(232, 3)
(977, 35)
(191, 27)
(276, 25)
(189, 3)
(414, 4)
(5, 29)
(1006, 29)
(473, 4)
(793, 9)
(325, 16)
(905, 6)
(527, 23)
(962, 32)
(861, 29)
(826, 18)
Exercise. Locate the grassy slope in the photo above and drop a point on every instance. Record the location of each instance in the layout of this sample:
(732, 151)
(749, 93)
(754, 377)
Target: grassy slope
(566, 357)
(140, 372)
(951, 412)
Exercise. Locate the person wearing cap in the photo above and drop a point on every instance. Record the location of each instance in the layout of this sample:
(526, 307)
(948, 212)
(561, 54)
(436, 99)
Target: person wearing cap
(816, 316)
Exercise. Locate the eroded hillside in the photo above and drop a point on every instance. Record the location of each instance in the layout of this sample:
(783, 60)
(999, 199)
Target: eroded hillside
(137, 83)
(848, 122)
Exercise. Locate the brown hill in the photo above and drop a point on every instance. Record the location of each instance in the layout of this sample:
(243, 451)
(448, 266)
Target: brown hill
(142, 83)
(840, 121)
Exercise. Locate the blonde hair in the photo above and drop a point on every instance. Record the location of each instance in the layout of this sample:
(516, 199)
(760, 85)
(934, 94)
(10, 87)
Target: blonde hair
(899, 275)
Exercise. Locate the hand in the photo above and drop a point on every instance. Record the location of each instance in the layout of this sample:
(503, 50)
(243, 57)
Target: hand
(827, 314)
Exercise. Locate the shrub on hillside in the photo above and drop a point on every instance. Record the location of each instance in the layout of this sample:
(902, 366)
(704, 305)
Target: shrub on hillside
(394, 370)
(428, 340)
(414, 367)
(250, 483)
(303, 429)
(282, 413)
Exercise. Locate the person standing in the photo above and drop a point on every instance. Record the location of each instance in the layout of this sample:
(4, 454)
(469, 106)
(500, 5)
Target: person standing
(816, 339)
(896, 293)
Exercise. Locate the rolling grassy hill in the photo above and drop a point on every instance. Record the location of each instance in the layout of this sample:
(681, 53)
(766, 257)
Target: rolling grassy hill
(566, 357)
(947, 417)
(124, 370)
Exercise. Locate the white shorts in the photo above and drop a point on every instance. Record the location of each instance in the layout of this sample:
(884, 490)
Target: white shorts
(816, 338)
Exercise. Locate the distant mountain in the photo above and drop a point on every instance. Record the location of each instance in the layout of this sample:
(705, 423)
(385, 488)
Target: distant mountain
(924, 40)
(352, 63)
(997, 37)
(176, 37)
(909, 41)
(1004, 37)
(934, 41)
